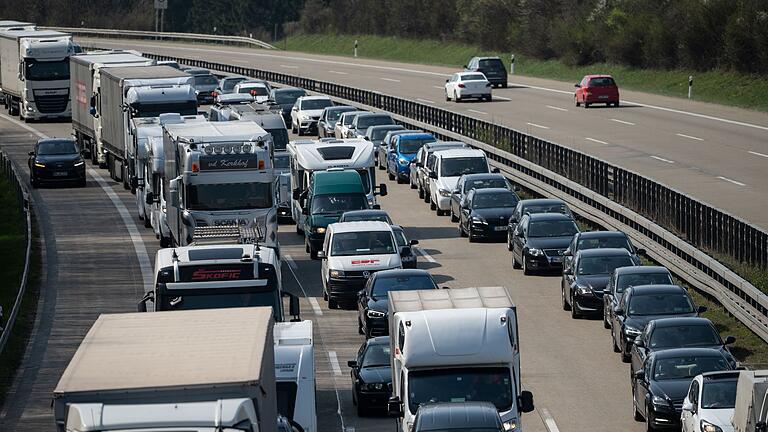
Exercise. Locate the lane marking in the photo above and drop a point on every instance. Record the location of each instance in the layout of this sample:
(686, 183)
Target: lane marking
(334, 363)
(426, 255)
(439, 87)
(663, 160)
(502, 98)
(133, 232)
(338, 72)
(549, 421)
(315, 306)
(390, 79)
(243, 62)
(478, 112)
(425, 101)
(291, 262)
(596, 140)
(689, 137)
(622, 122)
(289, 66)
(758, 154)
(738, 183)
(555, 108)
(537, 125)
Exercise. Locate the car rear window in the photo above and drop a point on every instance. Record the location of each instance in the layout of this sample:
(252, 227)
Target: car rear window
(602, 82)
(491, 64)
(472, 77)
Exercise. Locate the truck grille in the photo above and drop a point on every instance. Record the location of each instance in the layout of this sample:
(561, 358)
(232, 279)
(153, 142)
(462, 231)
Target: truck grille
(51, 104)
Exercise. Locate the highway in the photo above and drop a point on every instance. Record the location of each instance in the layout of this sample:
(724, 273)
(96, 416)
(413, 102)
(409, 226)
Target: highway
(97, 259)
(714, 153)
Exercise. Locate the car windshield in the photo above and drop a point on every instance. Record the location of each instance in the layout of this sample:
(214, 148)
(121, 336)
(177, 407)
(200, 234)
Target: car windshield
(315, 104)
(682, 336)
(338, 203)
(602, 82)
(602, 265)
(547, 208)
(229, 84)
(205, 80)
(401, 283)
(45, 71)
(492, 64)
(675, 368)
(281, 161)
(455, 167)
(660, 304)
(279, 138)
(255, 90)
(380, 133)
(489, 384)
(630, 280)
(720, 393)
(229, 196)
(378, 217)
(485, 183)
(552, 228)
(494, 200)
(56, 148)
(284, 97)
(472, 77)
(410, 146)
(374, 120)
(613, 241)
(362, 243)
(376, 355)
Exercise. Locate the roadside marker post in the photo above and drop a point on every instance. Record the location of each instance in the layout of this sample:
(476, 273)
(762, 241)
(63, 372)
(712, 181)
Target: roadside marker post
(512, 65)
(690, 86)
(355, 48)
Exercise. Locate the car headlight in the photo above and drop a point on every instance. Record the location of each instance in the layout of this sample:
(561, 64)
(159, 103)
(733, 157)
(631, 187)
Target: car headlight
(303, 117)
(374, 386)
(510, 425)
(660, 401)
(375, 314)
(444, 192)
(706, 426)
(336, 273)
(535, 252)
(320, 230)
(77, 164)
(583, 290)
(403, 161)
(478, 220)
(631, 331)
(39, 165)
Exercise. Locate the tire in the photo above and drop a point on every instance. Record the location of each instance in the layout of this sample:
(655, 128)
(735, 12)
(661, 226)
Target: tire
(399, 180)
(165, 242)
(456, 97)
(515, 262)
(576, 100)
(616, 104)
(625, 358)
(432, 205)
(440, 212)
(447, 98)
(488, 98)
(426, 197)
(613, 342)
(325, 295)
(299, 231)
(648, 426)
(124, 177)
(453, 216)
(413, 186)
(509, 243)
(526, 271)
(360, 327)
(566, 306)
(606, 324)
(574, 313)
(461, 231)
(636, 412)
(586, 105)
(421, 192)
(332, 303)
(390, 175)
(147, 222)
(472, 238)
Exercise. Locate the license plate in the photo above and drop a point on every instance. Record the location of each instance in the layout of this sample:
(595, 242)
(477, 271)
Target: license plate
(500, 228)
(603, 97)
(60, 173)
(556, 259)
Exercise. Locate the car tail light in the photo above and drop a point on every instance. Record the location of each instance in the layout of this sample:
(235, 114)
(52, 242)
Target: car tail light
(253, 92)
(214, 94)
(461, 86)
(488, 84)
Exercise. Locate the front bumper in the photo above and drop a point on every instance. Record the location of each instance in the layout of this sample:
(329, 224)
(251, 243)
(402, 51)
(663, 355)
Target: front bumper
(308, 125)
(373, 399)
(666, 419)
(59, 175)
(542, 262)
(588, 303)
(489, 231)
(345, 288)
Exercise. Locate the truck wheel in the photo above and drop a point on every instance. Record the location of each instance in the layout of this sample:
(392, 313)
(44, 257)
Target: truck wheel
(332, 303)
(147, 222)
(124, 176)
(391, 176)
(165, 242)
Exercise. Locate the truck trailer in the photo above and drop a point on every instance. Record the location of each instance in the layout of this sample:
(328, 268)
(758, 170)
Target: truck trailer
(750, 413)
(198, 370)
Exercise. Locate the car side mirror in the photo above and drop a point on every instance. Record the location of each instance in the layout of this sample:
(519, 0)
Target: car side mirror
(149, 198)
(702, 309)
(352, 363)
(405, 253)
(446, 80)
(639, 342)
(520, 233)
(295, 108)
(394, 407)
(415, 242)
(618, 311)
(496, 171)
(433, 175)
(730, 340)
(321, 255)
(367, 138)
(577, 85)
(31, 153)
(640, 375)
(567, 272)
(567, 252)
(149, 296)
(92, 111)
(376, 206)
(525, 401)
(456, 191)
(296, 194)
(688, 406)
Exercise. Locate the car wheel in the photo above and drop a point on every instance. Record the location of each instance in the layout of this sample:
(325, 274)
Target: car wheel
(635, 412)
(360, 326)
(526, 271)
(390, 175)
(574, 312)
(648, 426)
(515, 262)
(165, 241)
(299, 231)
(488, 98)
(509, 242)
(613, 342)
(471, 237)
(606, 324)
(332, 303)
(426, 196)
(147, 219)
(421, 192)
(461, 230)
(432, 205)
(447, 97)
(566, 306)
(576, 100)
(453, 216)
(586, 105)
(456, 97)
(625, 357)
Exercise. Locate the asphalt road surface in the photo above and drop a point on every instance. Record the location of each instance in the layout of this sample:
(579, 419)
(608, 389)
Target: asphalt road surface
(717, 154)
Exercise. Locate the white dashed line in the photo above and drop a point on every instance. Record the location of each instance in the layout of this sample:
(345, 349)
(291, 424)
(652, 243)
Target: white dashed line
(537, 126)
(502, 98)
(315, 306)
(689, 137)
(439, 87)
(338, 72)
(663, 160)
(291, 262)
(622, 122)
(596, 140)
(334, 363)
(758, 154)
(477, 112)
(390, 79)
(426, 101)
(555, 108)
(289, 66)
(549, 421)
(243, 62)
(738, 183)
(426, 256)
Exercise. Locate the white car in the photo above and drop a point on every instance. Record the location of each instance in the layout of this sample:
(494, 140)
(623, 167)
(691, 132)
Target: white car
(708, 407)
(449, 165)
(307, 111)
(259, 91)
(468, 85)
(345, 121)
(352, 251)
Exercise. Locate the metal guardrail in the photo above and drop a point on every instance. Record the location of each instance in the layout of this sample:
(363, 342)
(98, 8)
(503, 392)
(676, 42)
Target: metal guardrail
(674, 226)
(169, 36)
(8, 169)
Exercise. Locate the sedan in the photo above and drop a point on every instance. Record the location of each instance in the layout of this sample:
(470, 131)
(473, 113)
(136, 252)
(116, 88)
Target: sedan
(584, 283)
(540, 205)
(328, 119)
(467, 85)
(659, 388)
(625, 277)
(710, 402)
(485, 212)
(344, 122)
(539, 240)
(602, 239)
(468, 182)
(371, 376)
(205, 85)
(227, 85)
(365, 215)
(56, 160)
(284, 98)
(383, 149)
(376, 134)
(407, 254)
(373, 300)
(259, 91)
(596, 89)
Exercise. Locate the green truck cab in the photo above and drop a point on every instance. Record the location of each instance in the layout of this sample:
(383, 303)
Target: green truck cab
(330, 194)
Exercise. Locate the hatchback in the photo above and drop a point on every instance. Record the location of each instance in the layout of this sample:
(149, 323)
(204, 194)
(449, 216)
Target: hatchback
(597, 89)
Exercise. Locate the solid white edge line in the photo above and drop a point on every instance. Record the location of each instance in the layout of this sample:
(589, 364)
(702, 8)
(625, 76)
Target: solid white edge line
(689, 137)
(289, 66)
(738, 183)
(291, 262)
(549, 421)
(338, 72)
(622, 122)
(555, 108)
(758, 154)
(133, 232)
(596, 140)
(334, 363)
(426, 256)
(315, 306)
(502, 98)
(662, 159)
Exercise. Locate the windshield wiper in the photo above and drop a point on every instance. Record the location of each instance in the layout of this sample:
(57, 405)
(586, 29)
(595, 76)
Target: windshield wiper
(375, 365)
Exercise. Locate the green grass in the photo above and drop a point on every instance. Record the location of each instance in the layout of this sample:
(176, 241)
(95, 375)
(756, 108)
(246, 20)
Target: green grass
(753, 274)
(722, 87)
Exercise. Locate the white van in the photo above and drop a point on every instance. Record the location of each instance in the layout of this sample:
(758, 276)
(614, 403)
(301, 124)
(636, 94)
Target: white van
(352, 251)
(449, 165)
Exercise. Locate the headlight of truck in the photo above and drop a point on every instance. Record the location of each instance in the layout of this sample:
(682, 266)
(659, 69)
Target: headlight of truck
(375, 314)
(510, 425)
(535, 252)
(444, 192)
(336, 273)
(320, 230)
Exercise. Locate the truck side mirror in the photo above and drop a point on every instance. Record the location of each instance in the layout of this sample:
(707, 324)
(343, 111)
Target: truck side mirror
(382, 190)
(433, 175)
(92, 111)
(321, 255)
(173, 189)
(640, 375)
(394, 407)
(414, 242)
(525, 401)
(618, 311)
(688, 406)
(639, 342)
(149, 198)
(304, 210)
(149, 296)
(296, 193)
(294, 309)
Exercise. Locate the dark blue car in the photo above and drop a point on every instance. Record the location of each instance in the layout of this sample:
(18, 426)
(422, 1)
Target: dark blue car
(401, 153)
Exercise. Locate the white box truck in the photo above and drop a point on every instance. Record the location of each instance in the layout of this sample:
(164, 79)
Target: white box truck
(200, 370)
(34, 73)
(750, 413)
(455, 345)
(295, 373)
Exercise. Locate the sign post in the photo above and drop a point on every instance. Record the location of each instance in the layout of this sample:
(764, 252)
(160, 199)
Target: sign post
(512, 65)
(355, 47)
(690, 86)
(160, 7)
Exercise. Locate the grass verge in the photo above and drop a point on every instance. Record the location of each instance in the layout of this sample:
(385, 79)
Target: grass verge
(722, 87)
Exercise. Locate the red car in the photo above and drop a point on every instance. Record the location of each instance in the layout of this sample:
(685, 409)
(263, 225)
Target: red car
(597, 89)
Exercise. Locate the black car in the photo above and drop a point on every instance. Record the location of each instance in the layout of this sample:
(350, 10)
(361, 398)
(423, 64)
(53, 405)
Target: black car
(601, 239)
(373, 301)
(285, 98)
(371, 376)
(327, 122)
(539, 240)
(659, 388)
(642, 304)
(459, 416)
(492, 67)
(365, 215)
(407, 255)
(584, 282)
(670, 333)
(205, 85)
(625, 277)
(56, 160)
(485, 212)
(467, 182)
(540, 205)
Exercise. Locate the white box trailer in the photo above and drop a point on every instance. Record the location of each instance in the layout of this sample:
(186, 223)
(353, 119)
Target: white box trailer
(455, 345)
(295, 373)
(750, 413)
(199, 370)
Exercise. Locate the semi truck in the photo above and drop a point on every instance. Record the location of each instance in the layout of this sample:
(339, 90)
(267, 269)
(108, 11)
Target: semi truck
(218, 173)
(158, 372)
(134, 92)
(34, 73)
(85, 86)
(455, 345)
(750, 413)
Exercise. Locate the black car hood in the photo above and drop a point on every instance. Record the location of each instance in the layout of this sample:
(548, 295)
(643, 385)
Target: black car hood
(380, 304)
(494, 213)
(549, 242)
(597, 282)
(639, 321)
(674, 389)
(72, 157)
(378, 374)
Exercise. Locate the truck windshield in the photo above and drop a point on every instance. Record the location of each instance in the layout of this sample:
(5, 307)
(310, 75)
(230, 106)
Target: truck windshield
(229, 196)
(155, 109)
(491, 384)
(279, 138)
(221, 298)
(338, 203)
(46, 71)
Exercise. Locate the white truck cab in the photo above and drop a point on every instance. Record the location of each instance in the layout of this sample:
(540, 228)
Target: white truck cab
(352, 251)
(449, 165)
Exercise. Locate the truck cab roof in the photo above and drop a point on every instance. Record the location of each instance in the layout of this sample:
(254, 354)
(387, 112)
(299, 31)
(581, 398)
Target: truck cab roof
(319, 155)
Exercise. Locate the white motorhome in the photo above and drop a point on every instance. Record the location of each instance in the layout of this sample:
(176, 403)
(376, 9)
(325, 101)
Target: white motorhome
(218, 173)
(295, 373)
(455, 345)
(309, 156)
(197, 371)
(34, 73)
(449, 166)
